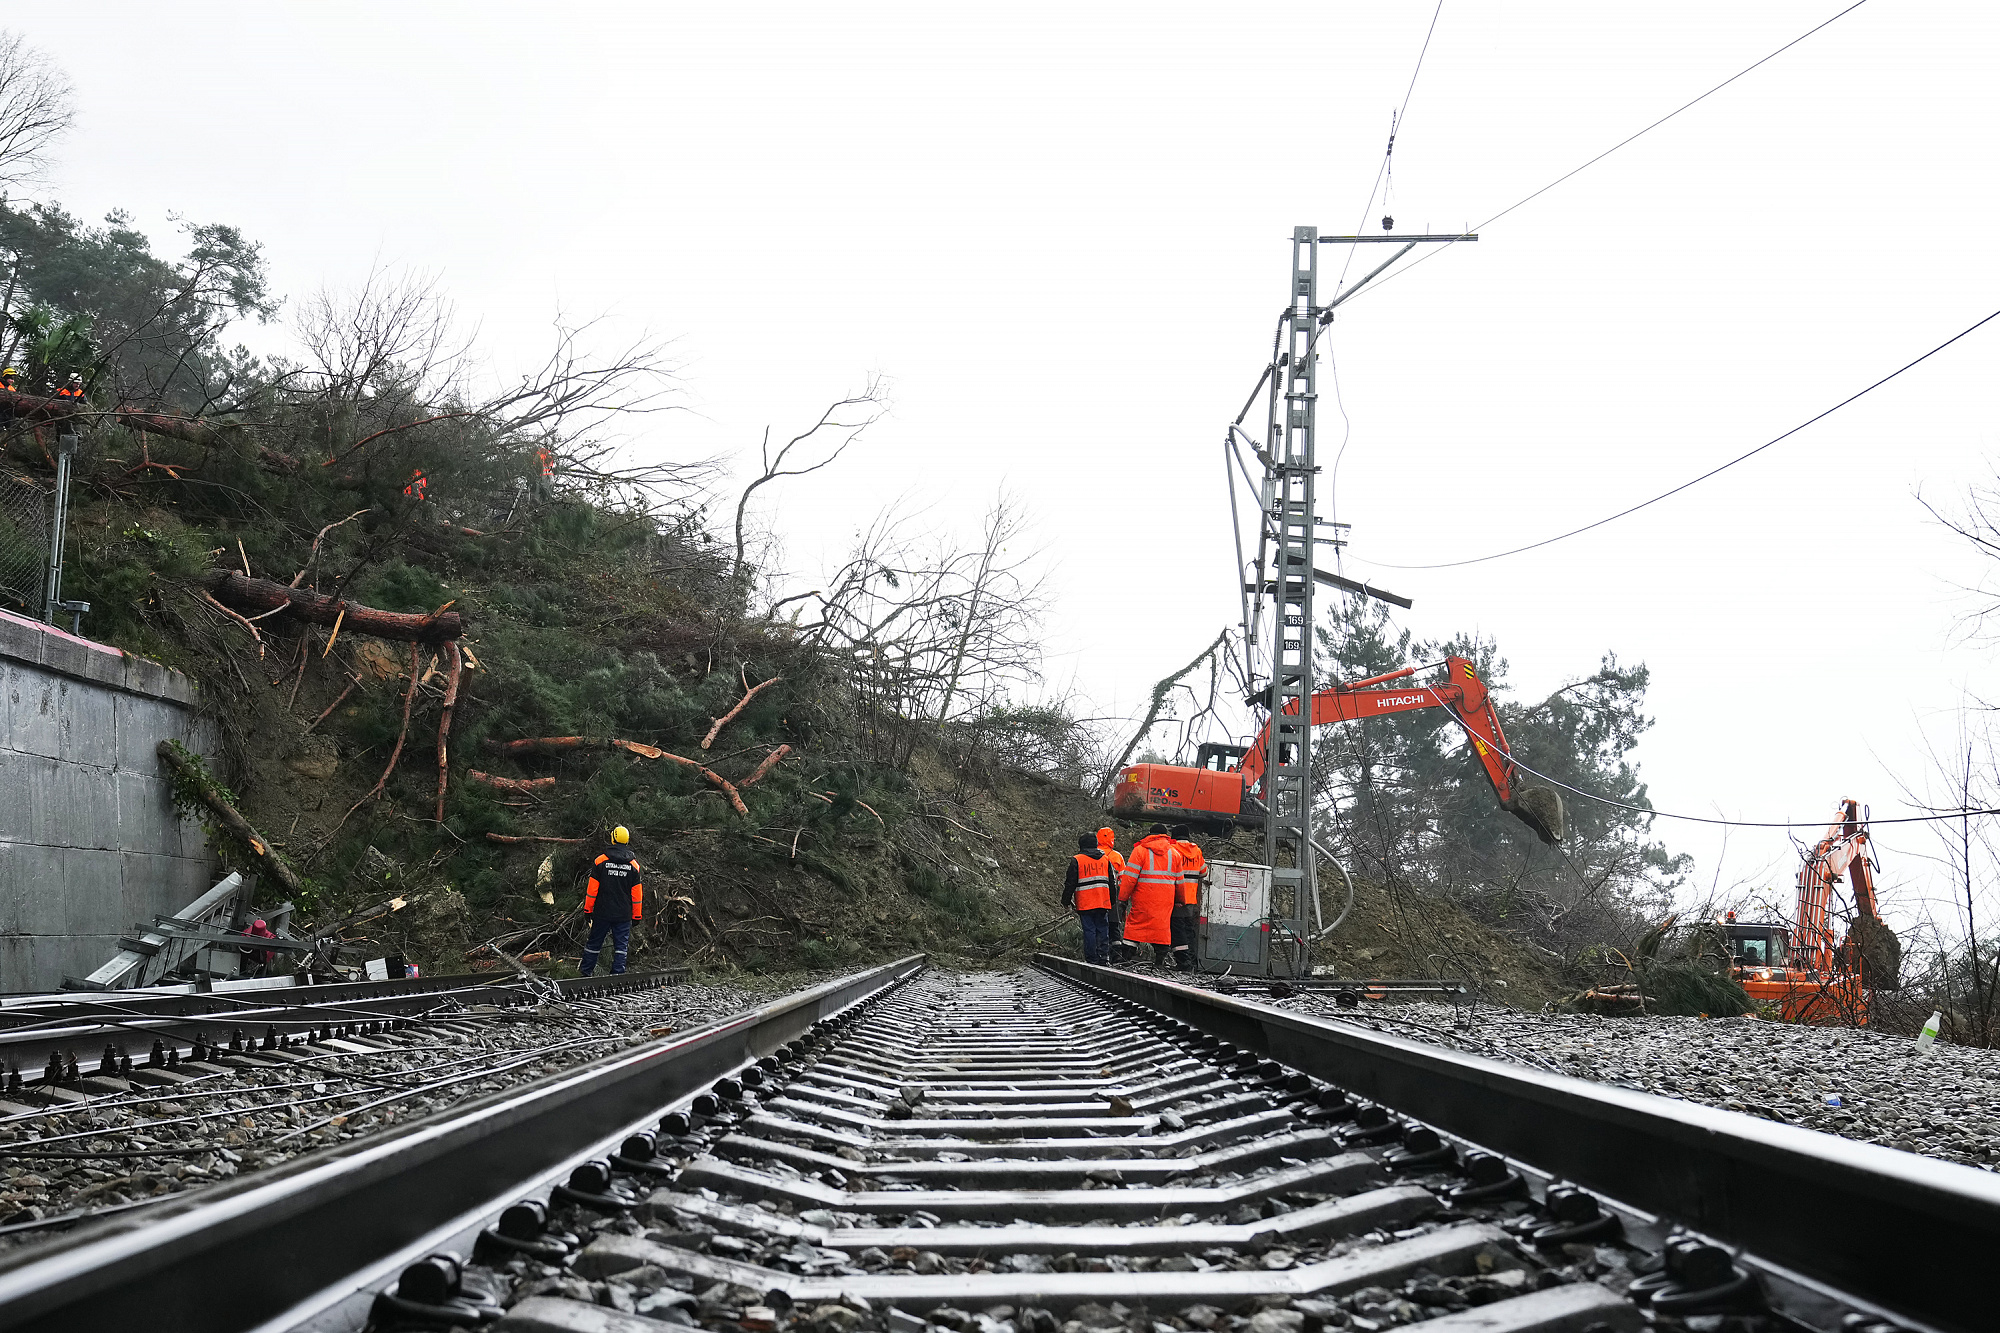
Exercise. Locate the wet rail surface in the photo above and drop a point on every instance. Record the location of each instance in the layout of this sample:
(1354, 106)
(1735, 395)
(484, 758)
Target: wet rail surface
(998, 1153)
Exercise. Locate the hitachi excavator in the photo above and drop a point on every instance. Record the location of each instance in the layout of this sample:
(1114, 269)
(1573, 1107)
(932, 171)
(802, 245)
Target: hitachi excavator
(1219, 797)
(1799, 968)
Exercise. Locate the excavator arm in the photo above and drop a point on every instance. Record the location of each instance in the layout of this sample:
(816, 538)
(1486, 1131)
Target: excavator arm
(1465, 696)
(1170, 792)
(1869, 946)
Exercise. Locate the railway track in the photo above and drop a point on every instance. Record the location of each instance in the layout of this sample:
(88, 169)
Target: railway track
(1050, 1151)
(76, 1027)
(171, 1092)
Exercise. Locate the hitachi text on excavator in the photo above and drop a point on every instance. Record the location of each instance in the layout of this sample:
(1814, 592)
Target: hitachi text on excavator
(1224, 797)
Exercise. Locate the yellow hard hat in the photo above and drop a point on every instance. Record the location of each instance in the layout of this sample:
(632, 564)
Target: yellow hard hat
(621, 834)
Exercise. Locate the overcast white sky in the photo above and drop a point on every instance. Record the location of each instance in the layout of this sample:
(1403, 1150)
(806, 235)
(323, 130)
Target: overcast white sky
(1062, 230)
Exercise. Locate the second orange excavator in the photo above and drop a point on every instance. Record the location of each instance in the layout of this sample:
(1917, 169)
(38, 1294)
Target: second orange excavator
(1220, 797)
(1799, 969)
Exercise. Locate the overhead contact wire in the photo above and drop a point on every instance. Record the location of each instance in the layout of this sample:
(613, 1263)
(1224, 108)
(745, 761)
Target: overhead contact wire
(1641, 134)
(1714, 471)
(1395, 124)
(1707, 819)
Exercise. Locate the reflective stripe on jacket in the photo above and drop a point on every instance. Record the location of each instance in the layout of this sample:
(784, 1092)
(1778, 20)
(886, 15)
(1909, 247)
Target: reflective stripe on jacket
(1193, 863)
(1093, 881)
(1151, 882)
(611, 876)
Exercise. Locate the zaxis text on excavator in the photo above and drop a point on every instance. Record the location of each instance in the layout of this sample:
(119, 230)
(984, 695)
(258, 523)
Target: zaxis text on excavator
(1219, 798)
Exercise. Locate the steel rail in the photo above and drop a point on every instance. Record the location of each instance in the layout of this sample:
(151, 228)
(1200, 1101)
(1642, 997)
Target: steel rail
(1910, 1234)
(29, 1032)
(276, 1248)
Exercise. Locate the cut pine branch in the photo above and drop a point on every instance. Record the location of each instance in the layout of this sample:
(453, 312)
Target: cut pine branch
(203, 787)
(338, 700)
(730, 716)
(509, 838)
(402, 734)
(453, 669)
(770, 762)
(257, 638)
(728, 788)
(227, 589)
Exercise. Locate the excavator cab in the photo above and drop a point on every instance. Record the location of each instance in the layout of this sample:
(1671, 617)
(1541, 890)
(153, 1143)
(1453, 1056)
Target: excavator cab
(1762, 946)
(1217, 757)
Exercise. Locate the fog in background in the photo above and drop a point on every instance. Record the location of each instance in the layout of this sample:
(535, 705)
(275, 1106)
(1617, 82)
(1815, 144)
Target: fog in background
(1063, 233)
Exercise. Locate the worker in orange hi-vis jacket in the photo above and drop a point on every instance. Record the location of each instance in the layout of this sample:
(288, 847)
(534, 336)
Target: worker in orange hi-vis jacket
(1087, 889)
(612, 900)
(1107, 842)
(1150, 883)
(1193, 865)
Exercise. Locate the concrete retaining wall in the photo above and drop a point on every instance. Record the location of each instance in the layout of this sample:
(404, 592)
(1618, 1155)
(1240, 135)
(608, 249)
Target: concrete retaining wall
(90, 843)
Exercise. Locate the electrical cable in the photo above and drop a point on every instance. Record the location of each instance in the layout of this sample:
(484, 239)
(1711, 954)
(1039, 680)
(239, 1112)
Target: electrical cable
(1704, 819)
(1622, 142)
(1395, 123)
(1724, 467)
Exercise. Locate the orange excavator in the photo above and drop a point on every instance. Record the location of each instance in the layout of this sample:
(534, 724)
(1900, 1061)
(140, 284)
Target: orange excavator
(1221, 797)
(1799, 968)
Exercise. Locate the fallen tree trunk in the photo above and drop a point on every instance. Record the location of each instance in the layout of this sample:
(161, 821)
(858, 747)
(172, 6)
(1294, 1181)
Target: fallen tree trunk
(56, 411)
(198, 782)
(511, 838)
(236, 590)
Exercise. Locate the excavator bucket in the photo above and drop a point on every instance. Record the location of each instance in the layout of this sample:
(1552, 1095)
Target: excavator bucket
(1880, 951)
(1541, 809)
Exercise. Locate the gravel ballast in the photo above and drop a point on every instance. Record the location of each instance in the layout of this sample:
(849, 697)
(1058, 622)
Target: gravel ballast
(256, 1110)
(1858, 1084)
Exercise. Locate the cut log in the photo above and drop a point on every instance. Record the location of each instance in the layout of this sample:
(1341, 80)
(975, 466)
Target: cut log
(35, 407)
(512, 784)
(548, 745)
(566, 744)
(511, 838)
(246, 594)
(268, 861)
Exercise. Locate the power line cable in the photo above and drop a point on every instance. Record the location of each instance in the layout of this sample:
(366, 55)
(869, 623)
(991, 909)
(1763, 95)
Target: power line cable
(1720, 468)
(1705, 819)
(1622, 142)
(1395, 123)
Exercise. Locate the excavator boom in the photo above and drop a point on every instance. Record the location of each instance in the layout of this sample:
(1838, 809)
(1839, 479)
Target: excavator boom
(1207, 795)
(1800, 969)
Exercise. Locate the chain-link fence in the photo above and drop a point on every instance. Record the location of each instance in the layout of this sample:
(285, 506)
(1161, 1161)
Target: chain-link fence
(24, 543)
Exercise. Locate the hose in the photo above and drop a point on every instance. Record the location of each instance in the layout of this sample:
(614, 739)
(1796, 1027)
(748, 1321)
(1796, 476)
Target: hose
(1324, 931)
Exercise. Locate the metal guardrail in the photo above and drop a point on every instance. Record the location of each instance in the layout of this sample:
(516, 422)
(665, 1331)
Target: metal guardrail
(1912, 1234)
(293, 1244)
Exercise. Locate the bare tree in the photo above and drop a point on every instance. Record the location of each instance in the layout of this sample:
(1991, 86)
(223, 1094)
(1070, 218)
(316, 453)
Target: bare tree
(1962, 975)
(862, 410)
(937, 637)
(35, 109)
